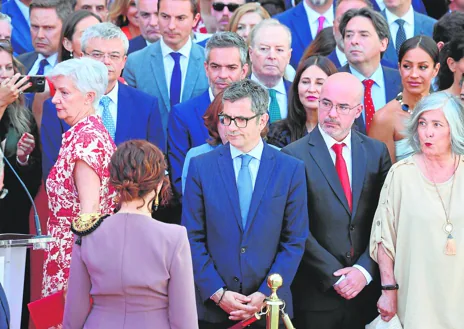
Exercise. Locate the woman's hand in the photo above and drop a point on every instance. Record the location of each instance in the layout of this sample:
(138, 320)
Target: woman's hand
(387, 304)
(11, 88)
(25, 146)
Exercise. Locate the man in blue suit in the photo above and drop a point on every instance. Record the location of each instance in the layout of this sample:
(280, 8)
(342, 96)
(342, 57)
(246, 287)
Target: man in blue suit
(18, 10)
(226, 62)
(245, 210)
(132, 114)
(148, 24)
(172, 68)
(404, 23)
(304, 22)
(418, 6)
(365, 33)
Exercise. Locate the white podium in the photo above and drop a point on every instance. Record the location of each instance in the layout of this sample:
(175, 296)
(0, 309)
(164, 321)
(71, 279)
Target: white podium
(12, 266)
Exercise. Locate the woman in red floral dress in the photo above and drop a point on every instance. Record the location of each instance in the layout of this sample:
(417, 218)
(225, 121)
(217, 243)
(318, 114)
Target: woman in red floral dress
(78, 183)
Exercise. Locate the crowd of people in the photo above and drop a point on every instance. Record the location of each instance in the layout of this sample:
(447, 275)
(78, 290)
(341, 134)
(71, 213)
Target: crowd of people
(188, 150)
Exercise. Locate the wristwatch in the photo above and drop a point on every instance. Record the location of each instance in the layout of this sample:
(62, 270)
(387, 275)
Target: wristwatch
(391, 287)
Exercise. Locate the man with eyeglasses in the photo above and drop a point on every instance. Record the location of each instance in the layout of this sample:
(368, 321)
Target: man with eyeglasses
(127, 113)
(222, 11)
(337, 284)
(245, 213)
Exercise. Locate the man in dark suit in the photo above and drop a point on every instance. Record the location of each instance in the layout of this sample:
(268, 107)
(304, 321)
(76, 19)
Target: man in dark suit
(148, 24)
(304, 21)
(47, 17)
(337, 283)
(365, 33)
(245, 211)
(418, 5)
(404, 23)
(18, 10)
(98, 7)
(127, 114)
(226, 62)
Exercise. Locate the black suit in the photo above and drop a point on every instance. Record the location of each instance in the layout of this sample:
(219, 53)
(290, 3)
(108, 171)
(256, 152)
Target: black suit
(335, 231)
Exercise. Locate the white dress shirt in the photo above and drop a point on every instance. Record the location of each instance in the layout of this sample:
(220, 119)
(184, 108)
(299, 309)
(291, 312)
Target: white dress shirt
(281, 95)
(253, 166)
(341, 57)
(211, 95)
(168, 62)
(346, 152)
(52, 60)
(313, 18)
(24, 10)
(408, 25)
(113, 105)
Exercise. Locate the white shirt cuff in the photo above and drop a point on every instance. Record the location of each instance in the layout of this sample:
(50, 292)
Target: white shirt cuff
(364, 272)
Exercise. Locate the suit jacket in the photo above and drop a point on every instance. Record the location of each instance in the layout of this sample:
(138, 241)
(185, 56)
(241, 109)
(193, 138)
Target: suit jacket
(4, 310)
(186, 129)
(224, 253)
(393, 87)
(152, 79)
(423, 25)
(138, 118)
(334, 230)
(136, 43)
(21, 33)
(144, 280)
(28, 60)
(334, 58)
(418, 6)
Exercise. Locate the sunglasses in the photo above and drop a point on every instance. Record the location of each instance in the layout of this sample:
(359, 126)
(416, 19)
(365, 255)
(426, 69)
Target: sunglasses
(219, 6)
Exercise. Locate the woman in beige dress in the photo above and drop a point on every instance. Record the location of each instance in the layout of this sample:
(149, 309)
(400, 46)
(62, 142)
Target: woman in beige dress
(418, 229)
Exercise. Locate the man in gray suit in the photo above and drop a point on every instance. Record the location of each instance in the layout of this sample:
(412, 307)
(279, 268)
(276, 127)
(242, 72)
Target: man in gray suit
(172, 68)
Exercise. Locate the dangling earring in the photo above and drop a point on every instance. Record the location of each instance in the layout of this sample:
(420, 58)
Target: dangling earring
(156, 203)
(71, 54)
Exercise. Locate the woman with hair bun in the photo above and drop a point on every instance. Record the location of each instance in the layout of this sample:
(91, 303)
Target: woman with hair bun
(137, 270)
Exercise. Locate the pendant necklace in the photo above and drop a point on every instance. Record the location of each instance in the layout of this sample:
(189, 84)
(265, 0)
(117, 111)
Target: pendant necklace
(404, 107)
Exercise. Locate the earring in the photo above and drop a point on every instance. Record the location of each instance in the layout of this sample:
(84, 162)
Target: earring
(71, 54)
(156, 203)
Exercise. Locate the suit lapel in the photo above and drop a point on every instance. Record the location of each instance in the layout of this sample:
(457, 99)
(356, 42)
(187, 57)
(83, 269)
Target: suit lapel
(418, 27)
(358, 169)
(302, 30)
(195, 65)
(157, 66)
(390, 80)
(375, 5)
(124, 114)
(226, 170)
(200, 109)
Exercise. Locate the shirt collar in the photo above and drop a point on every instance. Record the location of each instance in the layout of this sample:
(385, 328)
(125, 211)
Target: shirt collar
(329, 141)
(341, 55)
(211, 95)
(408, 17)
(279, 87)
(256, 152)
(52, 59)
(377, 76)
(314, 15)
(184, 51)
(113, 94)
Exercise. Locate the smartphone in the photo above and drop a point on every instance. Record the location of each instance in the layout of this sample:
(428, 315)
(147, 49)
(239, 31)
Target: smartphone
(38, 83)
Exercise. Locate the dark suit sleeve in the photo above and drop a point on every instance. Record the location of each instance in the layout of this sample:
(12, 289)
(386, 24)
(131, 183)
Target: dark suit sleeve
(207, 279)
(50, 136)
(385, 164)
(155, 127)
(178, 146)
(294, 230)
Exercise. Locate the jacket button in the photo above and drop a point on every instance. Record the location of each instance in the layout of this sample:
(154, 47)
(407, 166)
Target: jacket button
(348, 255)
(236, 279)
(351, 227)
(242, 250)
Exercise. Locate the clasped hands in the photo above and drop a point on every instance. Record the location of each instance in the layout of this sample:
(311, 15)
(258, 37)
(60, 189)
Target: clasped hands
(353, 283)
(241, 307)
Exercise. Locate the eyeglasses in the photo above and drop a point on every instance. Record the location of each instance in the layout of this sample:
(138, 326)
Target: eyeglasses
(240, 122)
(99, 56)
(219, 6)
(326, 106)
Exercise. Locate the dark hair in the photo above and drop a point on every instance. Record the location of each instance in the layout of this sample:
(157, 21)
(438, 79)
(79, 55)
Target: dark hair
(423, 42)
(69, 27)
(296, 118)
(136, 169)
(448, 26)
(322, 45)
(63, 8)
(367, 2)
(379, 22)
(193, 3)
(212, 120)
(455, 50)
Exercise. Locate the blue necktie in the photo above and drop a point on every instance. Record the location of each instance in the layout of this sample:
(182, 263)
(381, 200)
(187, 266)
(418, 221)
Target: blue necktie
(274, 109)
(244, 187)
(42, 65)
(176, 80)
(107, 119)
(400, 35)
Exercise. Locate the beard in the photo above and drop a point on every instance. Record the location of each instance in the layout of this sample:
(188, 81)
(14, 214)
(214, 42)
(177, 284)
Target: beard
(318, 2)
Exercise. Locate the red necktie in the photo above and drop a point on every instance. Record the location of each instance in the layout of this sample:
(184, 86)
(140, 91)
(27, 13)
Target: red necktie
(342, 172)
(369, 109)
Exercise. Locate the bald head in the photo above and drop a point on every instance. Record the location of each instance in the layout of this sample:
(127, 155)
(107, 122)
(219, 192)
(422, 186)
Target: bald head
(347, 85)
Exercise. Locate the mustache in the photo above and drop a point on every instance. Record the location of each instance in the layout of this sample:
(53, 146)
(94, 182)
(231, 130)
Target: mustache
(330, 120)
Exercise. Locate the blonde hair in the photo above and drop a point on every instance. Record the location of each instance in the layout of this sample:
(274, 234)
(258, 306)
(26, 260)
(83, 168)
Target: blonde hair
(251, 7)
(118, 10)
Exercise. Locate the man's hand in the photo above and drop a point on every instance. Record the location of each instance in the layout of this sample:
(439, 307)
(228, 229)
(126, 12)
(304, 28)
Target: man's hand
(233, 301)
(387, 304)
(353, 283)
(256, 302)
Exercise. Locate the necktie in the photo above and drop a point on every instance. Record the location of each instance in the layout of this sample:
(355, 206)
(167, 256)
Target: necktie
(244, 187)
(320, 27)
(369, 109)
(107, 119)
(176, 80)
(342, 171)
(400, 35)
(274, 109)
(42, 65)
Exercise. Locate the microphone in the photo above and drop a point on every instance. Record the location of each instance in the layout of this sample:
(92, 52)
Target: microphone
(38, 228)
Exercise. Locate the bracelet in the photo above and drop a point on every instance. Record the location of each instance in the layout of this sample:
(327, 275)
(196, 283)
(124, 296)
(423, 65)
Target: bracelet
(23, 163)
(391, 287)
(222, 296)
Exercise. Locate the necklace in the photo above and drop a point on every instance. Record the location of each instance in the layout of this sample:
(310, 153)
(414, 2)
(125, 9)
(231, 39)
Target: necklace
(404, 107)
(450, 247)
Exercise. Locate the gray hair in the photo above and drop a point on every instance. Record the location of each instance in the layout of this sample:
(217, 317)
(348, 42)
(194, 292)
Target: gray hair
(63, 8)
(105, 31)
(227, 40)
(268, 23)
(88, 75)
(454, 114)
(248, 89)
(5, 17)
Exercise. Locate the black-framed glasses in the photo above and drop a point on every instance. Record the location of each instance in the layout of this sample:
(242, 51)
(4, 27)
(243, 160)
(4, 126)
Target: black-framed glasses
(219, 6)
(326, 105)
(240, 122)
